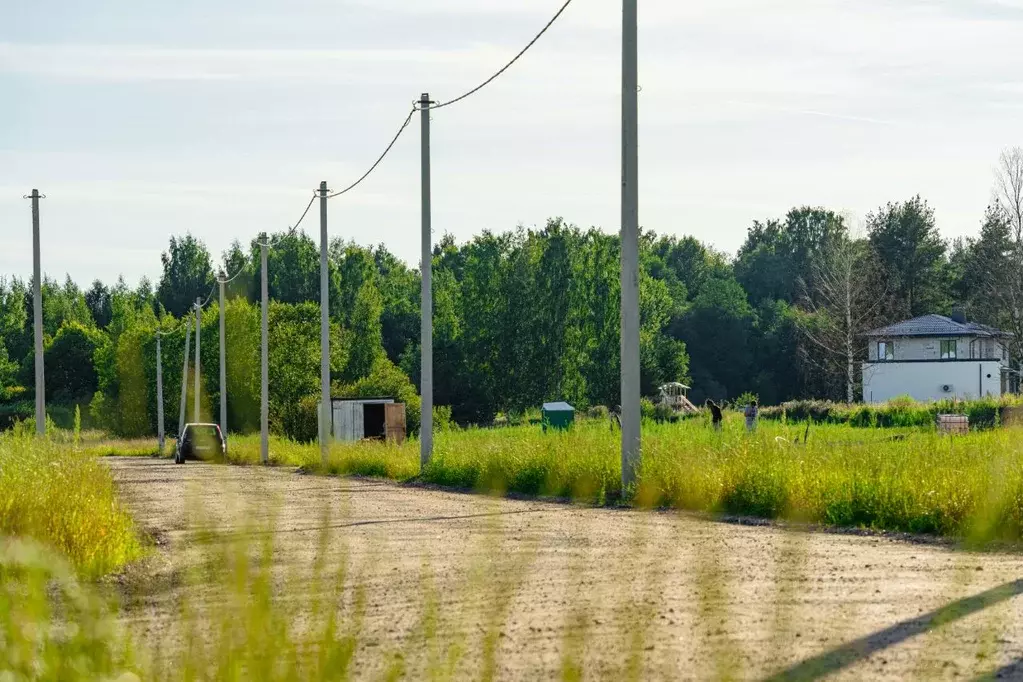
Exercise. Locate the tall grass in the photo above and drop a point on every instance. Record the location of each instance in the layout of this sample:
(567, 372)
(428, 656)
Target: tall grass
(65, 499)
(909, 480)
(243, 618)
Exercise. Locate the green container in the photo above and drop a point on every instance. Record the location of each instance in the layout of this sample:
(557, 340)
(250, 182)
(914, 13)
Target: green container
(557, 416)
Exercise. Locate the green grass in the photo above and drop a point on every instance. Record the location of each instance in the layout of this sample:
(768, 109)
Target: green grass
(260, 625)
(62, 497)
(910, 480)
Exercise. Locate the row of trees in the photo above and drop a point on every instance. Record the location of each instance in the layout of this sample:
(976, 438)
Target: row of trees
(529, 315)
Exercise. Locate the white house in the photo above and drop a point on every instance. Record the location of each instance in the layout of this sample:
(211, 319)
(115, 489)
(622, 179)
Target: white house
(934, 357)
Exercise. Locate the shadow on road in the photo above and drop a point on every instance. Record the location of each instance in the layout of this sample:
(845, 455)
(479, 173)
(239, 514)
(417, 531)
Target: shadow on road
(375, 522)
(848, 654)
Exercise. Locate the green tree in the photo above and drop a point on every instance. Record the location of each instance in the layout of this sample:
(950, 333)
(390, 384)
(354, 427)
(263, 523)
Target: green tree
(400, 288)
(717, 331)
(913, 254)
(777, 254)
(97, 298)
(982, 266)
(601, 363)
(366, 332)
(355, 266)
(187, 275)
(61, 304)
(14, 321)
(294, 264)
(241, 269)
(70, 372)
(8, 375)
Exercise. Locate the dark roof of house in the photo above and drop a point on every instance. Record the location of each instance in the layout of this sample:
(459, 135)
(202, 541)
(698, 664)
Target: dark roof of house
(936, 325)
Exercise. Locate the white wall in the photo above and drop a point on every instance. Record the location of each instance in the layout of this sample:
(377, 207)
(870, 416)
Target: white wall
(923, 381)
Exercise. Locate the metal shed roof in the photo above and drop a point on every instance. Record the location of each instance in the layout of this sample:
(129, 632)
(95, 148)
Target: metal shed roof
(936, 325)
(371, 399)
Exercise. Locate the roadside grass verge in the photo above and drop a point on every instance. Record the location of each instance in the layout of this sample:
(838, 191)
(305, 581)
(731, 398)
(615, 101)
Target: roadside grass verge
(907, 480)
(64, 498)
(242, 611)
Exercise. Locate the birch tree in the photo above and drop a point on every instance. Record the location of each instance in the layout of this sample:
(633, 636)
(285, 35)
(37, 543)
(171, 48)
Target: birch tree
(1007, 285)
(842, 301)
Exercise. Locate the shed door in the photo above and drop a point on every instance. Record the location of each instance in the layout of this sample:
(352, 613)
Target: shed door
(336, 430)
(394, 419)
(349, 422)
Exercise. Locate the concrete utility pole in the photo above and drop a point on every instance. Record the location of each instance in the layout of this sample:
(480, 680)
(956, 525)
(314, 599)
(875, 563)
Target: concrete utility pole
(159, 393)
(630, 245)
(198, 363)
(426, 323)
(324, 330)
(223, 362)
(37, 315)
(264, 362)
(184, 378)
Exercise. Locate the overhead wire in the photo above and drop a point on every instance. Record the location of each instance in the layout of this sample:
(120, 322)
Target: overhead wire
(507, 66)
(416, 106)
(349, 188)
(387, 150)
(301, 218)
(180, 326)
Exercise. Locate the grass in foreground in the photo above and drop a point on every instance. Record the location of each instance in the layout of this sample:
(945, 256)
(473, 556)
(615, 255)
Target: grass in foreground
(62, 497)
(257, 623)
(245, 613)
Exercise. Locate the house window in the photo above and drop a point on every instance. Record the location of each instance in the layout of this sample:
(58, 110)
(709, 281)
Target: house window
(885, 350)
(948, 350)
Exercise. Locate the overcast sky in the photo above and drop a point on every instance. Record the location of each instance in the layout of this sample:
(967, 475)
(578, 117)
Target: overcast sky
(140, 120)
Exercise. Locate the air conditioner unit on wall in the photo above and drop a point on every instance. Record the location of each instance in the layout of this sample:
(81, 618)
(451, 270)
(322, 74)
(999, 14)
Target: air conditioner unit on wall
(947, 388)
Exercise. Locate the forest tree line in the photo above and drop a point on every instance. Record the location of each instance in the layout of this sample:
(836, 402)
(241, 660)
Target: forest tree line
(520, 317)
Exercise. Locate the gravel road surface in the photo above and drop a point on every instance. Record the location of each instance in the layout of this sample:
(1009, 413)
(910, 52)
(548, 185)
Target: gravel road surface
(697, 599)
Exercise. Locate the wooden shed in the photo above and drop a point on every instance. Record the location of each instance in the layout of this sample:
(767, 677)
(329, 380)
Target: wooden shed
(355, 419)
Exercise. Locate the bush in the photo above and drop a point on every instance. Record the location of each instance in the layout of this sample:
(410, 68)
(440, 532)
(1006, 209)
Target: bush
(442, 418)
(388, 380)
(299, 421)
(901, 412)
(12, 413)
(647, 408)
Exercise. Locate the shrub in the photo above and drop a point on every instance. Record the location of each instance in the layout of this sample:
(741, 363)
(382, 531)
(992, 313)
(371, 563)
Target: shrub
(442, 418)
(299, 421)
(386, 379)
(12, 413)
(901, 412)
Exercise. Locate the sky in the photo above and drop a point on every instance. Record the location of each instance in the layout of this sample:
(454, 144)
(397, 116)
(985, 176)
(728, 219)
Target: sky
(142, 120)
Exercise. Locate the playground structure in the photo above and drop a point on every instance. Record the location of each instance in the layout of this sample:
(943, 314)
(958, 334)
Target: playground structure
(674, 395)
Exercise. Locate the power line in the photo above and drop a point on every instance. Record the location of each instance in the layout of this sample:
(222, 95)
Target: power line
(470, 93)
(509, 64)
(301, 218)
(180, 326)
(408, 119)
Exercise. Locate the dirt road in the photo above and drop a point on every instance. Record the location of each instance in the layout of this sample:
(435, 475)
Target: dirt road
(698, 599)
